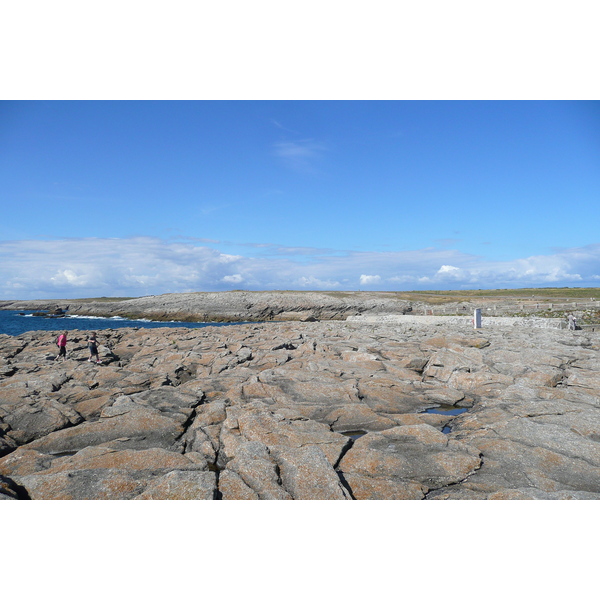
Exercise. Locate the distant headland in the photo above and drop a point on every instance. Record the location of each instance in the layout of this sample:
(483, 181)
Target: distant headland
(259, 306)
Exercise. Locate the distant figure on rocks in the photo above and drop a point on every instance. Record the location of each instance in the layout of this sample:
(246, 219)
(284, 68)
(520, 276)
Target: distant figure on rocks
(93, 348)
(572, 322)
(61, 342)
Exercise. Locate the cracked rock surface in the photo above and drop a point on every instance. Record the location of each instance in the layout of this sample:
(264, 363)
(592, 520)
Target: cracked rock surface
(303, 410)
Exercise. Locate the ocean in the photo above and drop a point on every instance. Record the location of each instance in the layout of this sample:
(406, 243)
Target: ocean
(13, 322)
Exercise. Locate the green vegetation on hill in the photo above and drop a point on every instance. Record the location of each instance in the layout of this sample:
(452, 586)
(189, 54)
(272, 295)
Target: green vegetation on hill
(427, 296)
(523, 293)
(537, 294)
(106, 299)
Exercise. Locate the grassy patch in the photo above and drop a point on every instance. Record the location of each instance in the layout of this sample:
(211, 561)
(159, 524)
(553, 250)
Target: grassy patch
(537, 294)
(104, 299)
(428, 296)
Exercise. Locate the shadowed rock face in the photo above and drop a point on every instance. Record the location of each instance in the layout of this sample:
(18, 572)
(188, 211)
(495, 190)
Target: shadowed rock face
(265, 411)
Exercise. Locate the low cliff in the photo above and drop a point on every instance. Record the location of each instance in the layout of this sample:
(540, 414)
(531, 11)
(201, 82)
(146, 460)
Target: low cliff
(231, 306)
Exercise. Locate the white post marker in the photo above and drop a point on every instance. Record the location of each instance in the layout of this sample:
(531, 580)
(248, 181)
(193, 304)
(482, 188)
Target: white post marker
(477, 319)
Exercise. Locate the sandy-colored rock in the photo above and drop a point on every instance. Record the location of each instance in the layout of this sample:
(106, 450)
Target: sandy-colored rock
(253, 467)
(350, 417)
(181, 485)
(36, 416)
(275, 430)
(135, 427)
(384, 394)
(299, 410)
(98, 473)
(308, 475)
(380, 488)
(419, 454)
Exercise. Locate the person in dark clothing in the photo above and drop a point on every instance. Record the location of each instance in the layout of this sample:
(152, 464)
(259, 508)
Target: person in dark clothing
(93, 348)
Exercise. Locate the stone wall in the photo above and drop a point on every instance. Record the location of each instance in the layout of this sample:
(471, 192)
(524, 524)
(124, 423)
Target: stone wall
(463, 322)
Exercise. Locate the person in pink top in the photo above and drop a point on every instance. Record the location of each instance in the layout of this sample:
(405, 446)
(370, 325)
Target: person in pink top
(61, 342)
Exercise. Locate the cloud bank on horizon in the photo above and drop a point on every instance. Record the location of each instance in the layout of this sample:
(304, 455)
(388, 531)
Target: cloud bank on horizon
(91, 267)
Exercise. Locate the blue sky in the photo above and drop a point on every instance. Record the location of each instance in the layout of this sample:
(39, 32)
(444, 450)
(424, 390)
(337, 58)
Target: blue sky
(147, 197)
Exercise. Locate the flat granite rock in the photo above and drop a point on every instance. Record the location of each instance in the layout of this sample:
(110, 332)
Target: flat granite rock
(303, 410)
(100, 473)
(419, 456)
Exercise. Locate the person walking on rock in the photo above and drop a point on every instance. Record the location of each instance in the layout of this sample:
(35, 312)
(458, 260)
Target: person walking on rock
(61, 342)
(93, 348)
(572, 322)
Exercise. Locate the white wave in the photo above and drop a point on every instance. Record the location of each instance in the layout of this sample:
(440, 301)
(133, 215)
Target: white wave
(84, 317)
(116, 318)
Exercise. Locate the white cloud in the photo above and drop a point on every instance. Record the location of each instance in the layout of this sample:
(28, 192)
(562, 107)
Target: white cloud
(69, 277)
(450, 274)
(317, 284)
(237, 278)
(369, 279)
(229, 258)
(75, 268)
(448, 269)
(91, 266)
(400, 279)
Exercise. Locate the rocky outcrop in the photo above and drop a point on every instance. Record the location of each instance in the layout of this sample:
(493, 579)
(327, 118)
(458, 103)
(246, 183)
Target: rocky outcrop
(240, 306)
(285, 411)
(229, 306)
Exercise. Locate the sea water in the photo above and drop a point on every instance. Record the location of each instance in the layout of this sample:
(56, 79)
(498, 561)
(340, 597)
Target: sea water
(14, 322)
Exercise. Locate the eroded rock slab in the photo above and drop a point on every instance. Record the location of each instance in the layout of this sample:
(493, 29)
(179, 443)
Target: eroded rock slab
(412, 457)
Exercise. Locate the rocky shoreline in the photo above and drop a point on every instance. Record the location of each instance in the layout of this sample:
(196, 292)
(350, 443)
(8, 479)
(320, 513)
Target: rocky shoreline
(216, 307)
(303, 410)
(245, 306)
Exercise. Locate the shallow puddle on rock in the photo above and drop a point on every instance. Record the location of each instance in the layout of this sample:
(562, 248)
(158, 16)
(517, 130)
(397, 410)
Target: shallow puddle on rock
(354, 435)
(446, 409)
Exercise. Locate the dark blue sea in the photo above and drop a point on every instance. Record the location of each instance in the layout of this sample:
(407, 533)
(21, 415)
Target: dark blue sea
(13, 322)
